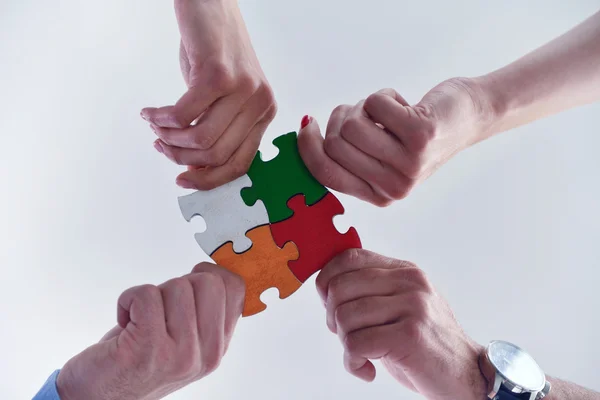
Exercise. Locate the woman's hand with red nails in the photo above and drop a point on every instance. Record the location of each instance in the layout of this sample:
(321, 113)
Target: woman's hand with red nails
(386, 309)
(379, 149)
(219, 122)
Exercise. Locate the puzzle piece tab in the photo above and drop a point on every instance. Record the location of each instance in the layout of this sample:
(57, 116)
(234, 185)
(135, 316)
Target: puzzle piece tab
(277, 180)
(312, 230)
(263, 266)
(226, 215)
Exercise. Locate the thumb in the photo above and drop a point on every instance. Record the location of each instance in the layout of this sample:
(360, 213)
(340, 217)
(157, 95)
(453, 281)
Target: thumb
(312, 151)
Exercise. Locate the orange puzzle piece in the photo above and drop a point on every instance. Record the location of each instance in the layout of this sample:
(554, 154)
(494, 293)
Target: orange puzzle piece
(262, 267)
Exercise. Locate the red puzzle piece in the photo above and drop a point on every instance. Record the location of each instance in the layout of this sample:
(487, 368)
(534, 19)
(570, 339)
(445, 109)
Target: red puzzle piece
(311, 229)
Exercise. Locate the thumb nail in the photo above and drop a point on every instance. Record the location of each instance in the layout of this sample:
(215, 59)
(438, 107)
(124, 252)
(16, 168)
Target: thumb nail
(305, 121)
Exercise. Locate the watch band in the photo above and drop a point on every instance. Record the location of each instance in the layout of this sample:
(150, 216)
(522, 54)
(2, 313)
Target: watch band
(504, 394)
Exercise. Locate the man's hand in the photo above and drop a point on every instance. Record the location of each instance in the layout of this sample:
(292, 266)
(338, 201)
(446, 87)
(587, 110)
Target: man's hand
(379, 149)
(167, 337)
(229, 98)
(386, 309)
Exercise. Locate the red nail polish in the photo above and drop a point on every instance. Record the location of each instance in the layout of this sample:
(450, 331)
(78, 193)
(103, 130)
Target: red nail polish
(158, 146)
(305, 121)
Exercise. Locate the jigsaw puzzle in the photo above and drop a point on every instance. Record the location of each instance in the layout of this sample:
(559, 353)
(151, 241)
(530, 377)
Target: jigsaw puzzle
(262, 267)
(226, 215)
(277, 180)
(273, 226)
(312, 230)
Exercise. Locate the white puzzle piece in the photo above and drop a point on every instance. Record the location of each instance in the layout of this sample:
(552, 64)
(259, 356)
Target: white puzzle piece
(226, 215)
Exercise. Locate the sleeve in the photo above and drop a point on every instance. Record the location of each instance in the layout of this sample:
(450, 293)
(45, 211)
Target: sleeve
(49, 391)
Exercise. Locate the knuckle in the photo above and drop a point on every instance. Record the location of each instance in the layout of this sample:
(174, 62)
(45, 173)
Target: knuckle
(212, 359)
(350, 125)
(271, 111)
(374, 100)
(205, 139)
(420, 307)
(248, 82)
(335, 288)
(222, 77)
(147, 291)
(331, 144)
(180, 284)
(341, 109)
(352, 343)
(350, 256)
(216, 157)
(176, 119)
(239, 167)
(418, 276)
(414, 330)
(415, 168)
(399, 189)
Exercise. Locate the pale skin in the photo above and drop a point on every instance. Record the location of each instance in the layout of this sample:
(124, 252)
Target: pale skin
(171, 335)
(376, 150)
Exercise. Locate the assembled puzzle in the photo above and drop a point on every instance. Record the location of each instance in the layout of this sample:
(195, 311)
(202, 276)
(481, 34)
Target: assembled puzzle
(273, 226)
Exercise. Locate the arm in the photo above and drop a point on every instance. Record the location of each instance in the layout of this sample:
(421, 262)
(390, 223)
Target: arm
(220, 120)
(563, 390)
(161, 343)
(562, 74)
(386, 309)
(380, 148)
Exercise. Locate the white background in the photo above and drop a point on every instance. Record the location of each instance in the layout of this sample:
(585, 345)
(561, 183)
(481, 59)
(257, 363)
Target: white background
(508, 230)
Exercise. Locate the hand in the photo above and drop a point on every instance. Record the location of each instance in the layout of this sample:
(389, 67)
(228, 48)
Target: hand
(386, 309)
(167, 337)
(379, 149)
(229, 97)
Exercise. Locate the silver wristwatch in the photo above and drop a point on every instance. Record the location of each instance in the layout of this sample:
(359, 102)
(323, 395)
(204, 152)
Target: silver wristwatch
(512, 374)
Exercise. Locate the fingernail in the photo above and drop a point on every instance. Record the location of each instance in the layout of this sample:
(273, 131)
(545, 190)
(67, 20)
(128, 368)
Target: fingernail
(305, 121)
(158, 146)
(184, 183)
(153, 127)
(143, 115)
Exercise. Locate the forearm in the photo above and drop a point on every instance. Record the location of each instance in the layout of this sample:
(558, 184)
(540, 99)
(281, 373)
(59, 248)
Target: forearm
(562, 74)
(562, 390)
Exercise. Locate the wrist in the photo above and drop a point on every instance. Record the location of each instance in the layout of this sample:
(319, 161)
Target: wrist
(497, 104)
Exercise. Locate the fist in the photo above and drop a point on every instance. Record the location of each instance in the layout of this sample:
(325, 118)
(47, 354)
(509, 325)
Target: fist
(380, 148)
(386, 309)
(167, 337)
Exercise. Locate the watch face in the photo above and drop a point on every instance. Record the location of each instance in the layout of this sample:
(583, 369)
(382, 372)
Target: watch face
(516, 365)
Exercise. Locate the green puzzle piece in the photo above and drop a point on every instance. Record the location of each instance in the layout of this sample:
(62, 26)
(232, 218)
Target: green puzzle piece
(277, 180)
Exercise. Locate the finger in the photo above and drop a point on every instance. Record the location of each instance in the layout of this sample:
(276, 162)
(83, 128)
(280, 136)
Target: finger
(227, 143)
(323, 168)
(365, 312)
(235, 288)
(383, 180)
(209, 127)
(180, 315)
(237, 165)
(189, 107)
(376, 342)
(360, 367)
(351, 260)
(114, 332)
(375, 141)
(357, 287)
(210, 299)
(141, 307)
(393, 112)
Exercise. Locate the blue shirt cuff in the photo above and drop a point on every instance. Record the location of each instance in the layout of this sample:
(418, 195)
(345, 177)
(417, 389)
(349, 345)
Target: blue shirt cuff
(49, 391)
